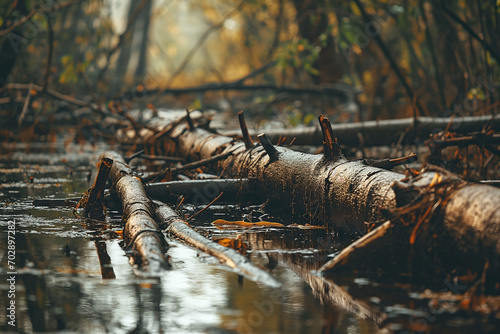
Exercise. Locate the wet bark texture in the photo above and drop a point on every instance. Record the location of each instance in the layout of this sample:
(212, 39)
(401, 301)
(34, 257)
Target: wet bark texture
(141, 233)
(329, 190)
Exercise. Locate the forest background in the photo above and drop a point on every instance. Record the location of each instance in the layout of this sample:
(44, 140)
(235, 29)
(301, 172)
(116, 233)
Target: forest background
(364, 59)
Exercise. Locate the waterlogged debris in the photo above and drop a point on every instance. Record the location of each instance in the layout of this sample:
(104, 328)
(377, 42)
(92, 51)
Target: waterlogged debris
(224, 224)
(307, 227)
(236, 244)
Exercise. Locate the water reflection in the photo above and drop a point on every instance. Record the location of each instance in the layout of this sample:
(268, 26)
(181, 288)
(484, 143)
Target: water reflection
(77, 278)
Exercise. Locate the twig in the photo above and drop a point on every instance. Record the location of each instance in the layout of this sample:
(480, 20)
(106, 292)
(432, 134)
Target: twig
(191, 165)
(464, 25)
(26, 104)
(133, 156)
(24, 19)
(49, 91)
(206, 207)
(160, 158)
(244, 130)
(339, 90)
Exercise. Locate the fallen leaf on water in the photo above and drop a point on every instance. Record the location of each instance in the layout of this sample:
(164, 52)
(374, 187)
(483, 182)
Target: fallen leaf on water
(236, 244)
(221, 224)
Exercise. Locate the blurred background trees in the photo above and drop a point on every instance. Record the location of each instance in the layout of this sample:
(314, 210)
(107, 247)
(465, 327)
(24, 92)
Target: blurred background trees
(392, 58)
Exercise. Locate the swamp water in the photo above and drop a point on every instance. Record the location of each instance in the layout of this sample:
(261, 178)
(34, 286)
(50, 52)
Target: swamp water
(75, 278)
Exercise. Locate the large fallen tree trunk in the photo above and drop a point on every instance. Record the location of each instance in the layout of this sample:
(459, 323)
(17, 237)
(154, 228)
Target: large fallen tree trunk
(384, 132)
(342, 194)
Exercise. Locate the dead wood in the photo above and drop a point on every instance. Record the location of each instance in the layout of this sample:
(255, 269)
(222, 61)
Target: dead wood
(383, 132)
(192, 165)
(344, 194)
(203, 191)
(141, 233)
(180, 229)
(94, 207)
(107, 271)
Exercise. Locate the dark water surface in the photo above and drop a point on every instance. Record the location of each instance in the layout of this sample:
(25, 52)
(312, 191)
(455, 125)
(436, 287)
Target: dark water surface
(76, 278)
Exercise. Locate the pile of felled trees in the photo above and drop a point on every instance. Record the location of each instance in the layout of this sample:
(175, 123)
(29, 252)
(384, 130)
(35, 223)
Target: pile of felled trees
(418, 222)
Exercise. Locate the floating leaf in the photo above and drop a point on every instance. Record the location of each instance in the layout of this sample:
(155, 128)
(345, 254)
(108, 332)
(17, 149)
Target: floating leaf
(221, 224)
(236, 244)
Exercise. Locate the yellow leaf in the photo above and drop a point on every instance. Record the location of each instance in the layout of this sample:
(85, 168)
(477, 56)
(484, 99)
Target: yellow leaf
(221, 224)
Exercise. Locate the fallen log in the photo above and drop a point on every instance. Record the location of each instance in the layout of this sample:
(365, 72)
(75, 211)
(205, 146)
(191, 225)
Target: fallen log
(176, 170)
(180, 229)
(203, 191)
(330, 190)
(383, 132)
(141, 233)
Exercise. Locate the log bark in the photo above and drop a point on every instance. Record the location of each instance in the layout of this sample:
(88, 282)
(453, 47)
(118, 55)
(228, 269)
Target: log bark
(384, 132)
(344, 195)
(141, 233)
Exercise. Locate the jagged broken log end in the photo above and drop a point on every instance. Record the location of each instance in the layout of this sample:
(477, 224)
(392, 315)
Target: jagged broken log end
(92, 200)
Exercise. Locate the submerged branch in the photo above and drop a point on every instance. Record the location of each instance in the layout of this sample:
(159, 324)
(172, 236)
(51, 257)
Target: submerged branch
(179, 229)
